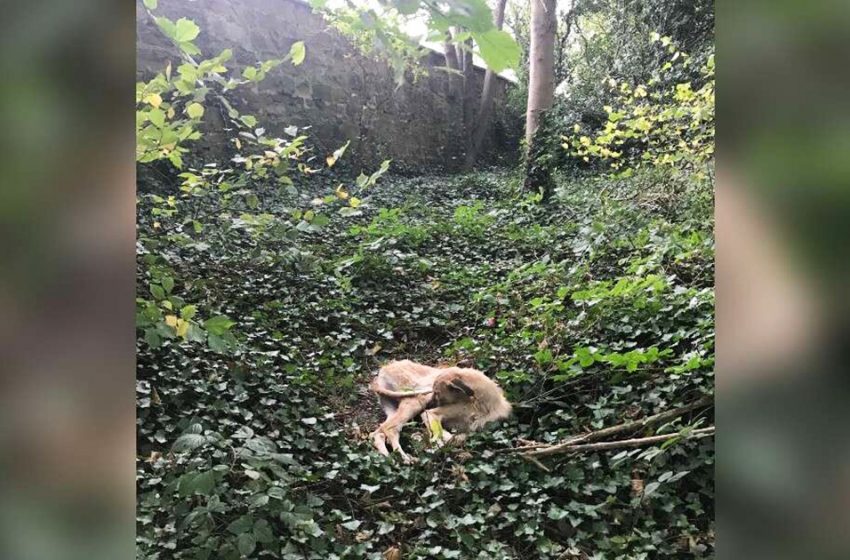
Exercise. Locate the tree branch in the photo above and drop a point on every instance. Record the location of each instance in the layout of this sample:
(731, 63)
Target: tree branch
(606, 445)
(620, 428)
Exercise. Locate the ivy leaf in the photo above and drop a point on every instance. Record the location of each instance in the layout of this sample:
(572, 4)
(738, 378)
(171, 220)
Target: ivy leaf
(246, 543)
(188, 442)
(352, 525)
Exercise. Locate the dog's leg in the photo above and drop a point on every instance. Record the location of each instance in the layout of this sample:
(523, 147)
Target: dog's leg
(379, 440)
(391, 428)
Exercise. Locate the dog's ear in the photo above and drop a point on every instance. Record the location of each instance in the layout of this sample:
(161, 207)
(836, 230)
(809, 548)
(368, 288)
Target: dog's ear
(459, 385)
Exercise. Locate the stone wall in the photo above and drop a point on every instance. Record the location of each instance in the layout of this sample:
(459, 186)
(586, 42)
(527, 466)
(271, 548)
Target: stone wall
(340, 94)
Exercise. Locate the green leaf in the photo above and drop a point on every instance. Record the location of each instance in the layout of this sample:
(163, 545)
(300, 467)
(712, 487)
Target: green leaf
(218, 325)
(498, 49)
(157, 117)
(263, 531)
(150, 4)
(188, 442)
(246, 543)
(297, 52)
(204, 483)
(157, 291)
(187, 312)
(185, 30)
(195, 110)
(167, 27)
(241, 525)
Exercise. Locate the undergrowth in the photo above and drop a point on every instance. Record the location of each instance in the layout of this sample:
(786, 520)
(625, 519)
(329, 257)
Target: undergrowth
(592, 310)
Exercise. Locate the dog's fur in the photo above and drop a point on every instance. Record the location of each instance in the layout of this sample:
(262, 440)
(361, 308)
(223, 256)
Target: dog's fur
(462, 399)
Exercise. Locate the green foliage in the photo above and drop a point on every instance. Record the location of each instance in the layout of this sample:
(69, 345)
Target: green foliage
(379, 31)
(656, 124)
(472, 220)
(593, 310)
(169, 111)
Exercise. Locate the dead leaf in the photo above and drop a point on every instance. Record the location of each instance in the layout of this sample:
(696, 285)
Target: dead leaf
(392, 553)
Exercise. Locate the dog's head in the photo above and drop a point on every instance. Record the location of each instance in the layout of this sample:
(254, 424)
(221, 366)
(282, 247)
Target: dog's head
(450, 388)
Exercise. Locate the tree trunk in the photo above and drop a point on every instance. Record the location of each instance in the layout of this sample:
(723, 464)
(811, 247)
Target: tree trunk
(470, 93)
(451, 61)
(541, 91)
(456, 137)
(541, 77)
(482, 120)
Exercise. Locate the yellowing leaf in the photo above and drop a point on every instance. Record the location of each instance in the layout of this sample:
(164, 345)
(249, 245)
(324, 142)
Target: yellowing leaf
(153, 99)
(182, 327)
(436, 429)
(354, 202)
(171, 321)
(331, 159)
(341, 193)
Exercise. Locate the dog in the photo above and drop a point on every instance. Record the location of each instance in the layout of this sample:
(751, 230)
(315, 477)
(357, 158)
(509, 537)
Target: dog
(460, 399)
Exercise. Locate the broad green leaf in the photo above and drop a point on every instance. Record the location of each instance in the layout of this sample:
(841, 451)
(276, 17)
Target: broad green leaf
(498, 49)
(168, 28)
(297, 52)
(218, 325)
(195, 110)
(157, 291)
(185, 30)
(157, 117)
(204, 483)
(246, 543)
(150, 4)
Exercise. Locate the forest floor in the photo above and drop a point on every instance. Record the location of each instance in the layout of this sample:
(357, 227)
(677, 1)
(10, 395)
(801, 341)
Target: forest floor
(593, 310)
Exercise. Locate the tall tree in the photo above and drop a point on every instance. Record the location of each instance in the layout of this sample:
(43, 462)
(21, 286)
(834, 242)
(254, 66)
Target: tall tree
(541, 88)
(482, 119)
(541, 76)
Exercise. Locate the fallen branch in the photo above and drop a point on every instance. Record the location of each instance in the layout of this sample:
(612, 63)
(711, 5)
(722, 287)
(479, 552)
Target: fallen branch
(606, 432)
(606, 445)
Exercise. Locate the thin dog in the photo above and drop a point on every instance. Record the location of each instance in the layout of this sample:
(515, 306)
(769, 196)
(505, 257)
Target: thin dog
(462, 399)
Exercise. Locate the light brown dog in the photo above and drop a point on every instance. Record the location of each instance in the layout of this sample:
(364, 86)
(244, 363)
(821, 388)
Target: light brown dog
(461, 399)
